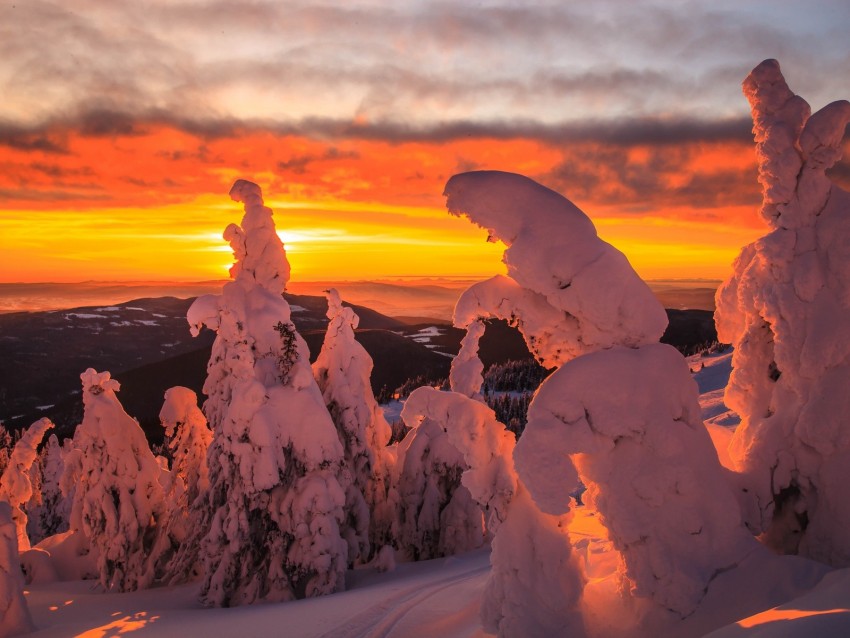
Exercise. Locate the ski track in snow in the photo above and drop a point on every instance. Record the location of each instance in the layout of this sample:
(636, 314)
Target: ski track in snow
(380, 620)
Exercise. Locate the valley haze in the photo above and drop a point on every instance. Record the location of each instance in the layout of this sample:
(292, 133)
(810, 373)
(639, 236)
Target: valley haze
(432, 297)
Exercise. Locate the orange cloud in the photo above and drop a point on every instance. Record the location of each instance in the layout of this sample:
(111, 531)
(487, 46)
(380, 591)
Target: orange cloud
(148, 201)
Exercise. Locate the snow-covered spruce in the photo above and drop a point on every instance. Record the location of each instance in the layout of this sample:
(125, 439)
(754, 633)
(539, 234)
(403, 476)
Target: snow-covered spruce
(52, 514)
(188, 438)
(649, 466)
(437, 516)
(343, 370)
(786, 308)
(555, 263)
(536, 582)
(14, 614)
(486, 446)
(118, 501)
(16, 486)
(269, 526)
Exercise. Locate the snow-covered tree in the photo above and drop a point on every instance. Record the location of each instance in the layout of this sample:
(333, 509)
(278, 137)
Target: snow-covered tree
(556, 264)
(536, 580)
(188, 438)
(466, 374)
(14, 613)
(629, 418)
(437, 516)
(52, 515)
(16, 487)
(577, 302)
(71, 471)
(786, 309)
(269, 526)
(343, 370)
(484, 443)
(118, 501)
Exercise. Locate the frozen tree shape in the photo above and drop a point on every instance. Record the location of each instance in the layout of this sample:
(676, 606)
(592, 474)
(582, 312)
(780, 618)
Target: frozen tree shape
(437, 515)
(577, 302)
(52, 514)
(343, 370)
(555, 263)
(268, 528)
(118, 501)
(649, 465)
(472, 429)
(786, 308)
(467, 372)
(14, 613)
(188, 439)
(535, 580)
(16, 486)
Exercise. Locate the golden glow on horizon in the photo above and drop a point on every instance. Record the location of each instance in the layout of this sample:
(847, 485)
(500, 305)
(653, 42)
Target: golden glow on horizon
(354, 209)
(365, 242)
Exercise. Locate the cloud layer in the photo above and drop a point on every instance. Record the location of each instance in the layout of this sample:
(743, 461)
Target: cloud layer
(411, 63)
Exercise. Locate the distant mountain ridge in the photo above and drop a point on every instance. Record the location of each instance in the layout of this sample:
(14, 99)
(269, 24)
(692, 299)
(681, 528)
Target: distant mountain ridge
(146, 345)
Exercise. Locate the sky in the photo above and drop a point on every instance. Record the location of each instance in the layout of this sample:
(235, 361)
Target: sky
(124, 124)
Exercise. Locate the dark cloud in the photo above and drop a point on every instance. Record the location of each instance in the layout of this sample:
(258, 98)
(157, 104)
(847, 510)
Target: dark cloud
(36, 139)
(62, 172)
(625, 132)
(621, 132)
(298, 164)
(663, 176)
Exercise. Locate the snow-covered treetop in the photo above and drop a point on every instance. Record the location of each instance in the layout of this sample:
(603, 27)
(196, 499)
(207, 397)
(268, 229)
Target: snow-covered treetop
(96, 383)
(261, 269)
(793, 149)
(180, 406)
(572, 292)
(338, 312)
(259, 253)
(466, 375)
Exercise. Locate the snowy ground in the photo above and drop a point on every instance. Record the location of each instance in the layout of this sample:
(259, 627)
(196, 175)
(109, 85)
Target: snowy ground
(431, 598)
(435, 598)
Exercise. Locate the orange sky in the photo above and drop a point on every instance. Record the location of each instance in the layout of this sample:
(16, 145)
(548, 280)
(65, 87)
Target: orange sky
(151, 203)
(123, 125)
